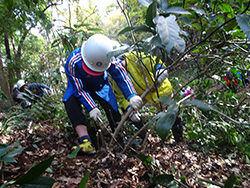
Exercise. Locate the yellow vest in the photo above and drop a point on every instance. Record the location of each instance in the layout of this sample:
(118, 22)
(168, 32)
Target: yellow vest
(135, 72)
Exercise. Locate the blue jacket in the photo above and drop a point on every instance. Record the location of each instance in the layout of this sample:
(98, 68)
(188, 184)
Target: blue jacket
(80, 83)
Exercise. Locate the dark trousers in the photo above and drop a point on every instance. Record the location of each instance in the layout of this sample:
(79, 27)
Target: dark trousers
(74, 110)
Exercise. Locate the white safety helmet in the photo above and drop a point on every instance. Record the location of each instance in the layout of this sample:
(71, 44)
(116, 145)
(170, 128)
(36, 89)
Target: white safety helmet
(20, 84)
(94, 52)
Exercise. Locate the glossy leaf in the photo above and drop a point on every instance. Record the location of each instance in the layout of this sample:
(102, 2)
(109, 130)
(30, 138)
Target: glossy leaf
(84, 181)
(244, 23)
(35, 171)
(177, 10)
(40, 182)
(199, 104)
(164, 124)
(151, 14)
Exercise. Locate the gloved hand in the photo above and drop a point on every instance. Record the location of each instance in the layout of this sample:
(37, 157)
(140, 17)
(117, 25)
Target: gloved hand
(19, 96)
(135, 116)
(135, 102)
(95, 113)
(28, 104)
(161, 75)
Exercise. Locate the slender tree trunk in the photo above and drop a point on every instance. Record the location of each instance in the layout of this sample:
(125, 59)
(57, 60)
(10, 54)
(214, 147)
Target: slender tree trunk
(10, 74)
(3, 81)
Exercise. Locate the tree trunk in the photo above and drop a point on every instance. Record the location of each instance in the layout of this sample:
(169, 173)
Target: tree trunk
(9, 63)
(3, 81)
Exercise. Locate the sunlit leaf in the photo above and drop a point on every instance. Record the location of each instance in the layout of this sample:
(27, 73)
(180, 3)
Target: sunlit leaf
(198, 11)
(243, 21)
(163, 6)
(82, 25)
(145, 3)
(177, 10)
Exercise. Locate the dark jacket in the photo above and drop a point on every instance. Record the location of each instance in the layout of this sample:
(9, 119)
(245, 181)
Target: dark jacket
(25, 98)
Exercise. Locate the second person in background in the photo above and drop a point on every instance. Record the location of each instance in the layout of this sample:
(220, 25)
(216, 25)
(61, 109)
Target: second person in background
(154, 71)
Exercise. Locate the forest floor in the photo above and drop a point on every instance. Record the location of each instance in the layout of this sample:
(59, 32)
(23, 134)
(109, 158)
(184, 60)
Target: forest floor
(110, 168)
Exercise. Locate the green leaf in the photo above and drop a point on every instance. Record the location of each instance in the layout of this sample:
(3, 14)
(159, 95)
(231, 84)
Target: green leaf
(74, 153)
(27, 2)
(9, 4)
(226, 8)
(165, 99)
(95, 29)
(165, 124)
(199, 104)
(151, 13)
(8, 183)
(4, 150)
(82, 25)
(192, 135)
(7, 160)
(143, 28)
(15, 152)
(145, 159)
(163, 6)
(84, 181)
(156, 41)
(155, 118)
(163, 179)
(125, 30)
(55, 43)
(177, 10)
(40, 182)
(198, 11)
(243, 22)
(230, 181)
(35, 171)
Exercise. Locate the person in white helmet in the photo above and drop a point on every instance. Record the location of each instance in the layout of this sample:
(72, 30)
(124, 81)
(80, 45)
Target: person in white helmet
(23, 97)
(87, 69)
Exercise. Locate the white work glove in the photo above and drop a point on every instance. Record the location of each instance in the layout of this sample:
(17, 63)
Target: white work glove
(135, 102)
(135, 116)
(161, 75)
(95, 113)
(19, 96)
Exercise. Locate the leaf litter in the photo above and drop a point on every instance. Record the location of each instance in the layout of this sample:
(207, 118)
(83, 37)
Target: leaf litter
(110, 168)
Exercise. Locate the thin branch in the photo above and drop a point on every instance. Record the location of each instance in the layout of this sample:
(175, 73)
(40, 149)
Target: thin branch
(234, 121)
